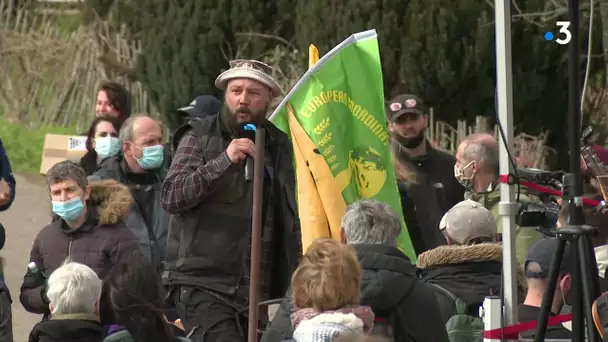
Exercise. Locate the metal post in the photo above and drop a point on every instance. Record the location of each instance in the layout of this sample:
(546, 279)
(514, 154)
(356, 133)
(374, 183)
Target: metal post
(507, 207)
(256, 234)
(576, 187)
(491, 313)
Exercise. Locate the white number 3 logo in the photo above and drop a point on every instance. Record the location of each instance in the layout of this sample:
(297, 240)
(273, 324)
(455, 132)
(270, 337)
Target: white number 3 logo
(563, 29)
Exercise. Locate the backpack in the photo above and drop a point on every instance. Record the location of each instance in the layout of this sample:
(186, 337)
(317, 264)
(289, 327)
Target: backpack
(462, 327)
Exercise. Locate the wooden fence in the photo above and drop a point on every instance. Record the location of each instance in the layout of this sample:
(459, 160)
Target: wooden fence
(50, 76)
(529, 150)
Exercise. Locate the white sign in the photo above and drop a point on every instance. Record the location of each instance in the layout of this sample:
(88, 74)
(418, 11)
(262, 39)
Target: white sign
(77, 143)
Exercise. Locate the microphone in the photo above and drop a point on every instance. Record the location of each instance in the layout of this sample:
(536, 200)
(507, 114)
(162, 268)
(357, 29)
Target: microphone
(247, 130)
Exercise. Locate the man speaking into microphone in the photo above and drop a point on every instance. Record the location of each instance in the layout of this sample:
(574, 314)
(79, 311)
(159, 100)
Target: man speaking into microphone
(209, 194)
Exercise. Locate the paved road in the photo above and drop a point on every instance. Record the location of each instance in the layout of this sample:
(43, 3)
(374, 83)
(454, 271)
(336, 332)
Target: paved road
(28, 214)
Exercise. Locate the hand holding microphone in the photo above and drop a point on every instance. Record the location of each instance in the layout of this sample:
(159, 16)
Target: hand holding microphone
(239, 149)
(243, 148)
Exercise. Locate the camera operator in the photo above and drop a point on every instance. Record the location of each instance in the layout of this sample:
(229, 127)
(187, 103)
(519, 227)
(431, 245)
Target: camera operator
(595, 218)
(476, 169)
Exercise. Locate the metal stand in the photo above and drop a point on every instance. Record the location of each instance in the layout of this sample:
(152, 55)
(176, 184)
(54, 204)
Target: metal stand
(585, 283)
(256, 235)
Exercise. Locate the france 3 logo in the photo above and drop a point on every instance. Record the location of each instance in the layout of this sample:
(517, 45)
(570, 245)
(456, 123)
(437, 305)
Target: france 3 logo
(563, 35)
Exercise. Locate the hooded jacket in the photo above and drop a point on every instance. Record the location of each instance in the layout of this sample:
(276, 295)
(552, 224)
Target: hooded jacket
(68, 328)
(147, 219)
(101, 242)
(470, 272)
(390, 287)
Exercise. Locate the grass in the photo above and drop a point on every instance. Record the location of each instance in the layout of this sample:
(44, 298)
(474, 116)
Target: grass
(23, 144)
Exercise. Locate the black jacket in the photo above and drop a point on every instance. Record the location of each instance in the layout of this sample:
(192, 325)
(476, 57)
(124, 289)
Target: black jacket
(528, 313)
(101, 242)
(146, 218)
(432, 193)
(68, 328)
(470, 272)
(390, 287)
(6, 174)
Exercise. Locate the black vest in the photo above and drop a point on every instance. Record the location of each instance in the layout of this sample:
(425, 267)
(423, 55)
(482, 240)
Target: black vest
(208, 244)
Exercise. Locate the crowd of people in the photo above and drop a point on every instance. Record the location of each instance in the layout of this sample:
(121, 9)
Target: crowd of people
(151, 240)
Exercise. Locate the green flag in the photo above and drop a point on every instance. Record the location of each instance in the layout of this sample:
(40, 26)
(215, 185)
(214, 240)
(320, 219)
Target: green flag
(339, 103)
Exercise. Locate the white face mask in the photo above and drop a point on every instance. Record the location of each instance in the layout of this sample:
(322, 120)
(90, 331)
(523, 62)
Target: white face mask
(466, 182)
(107, 147)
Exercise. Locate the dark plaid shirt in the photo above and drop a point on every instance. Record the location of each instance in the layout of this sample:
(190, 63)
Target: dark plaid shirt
(190, 180)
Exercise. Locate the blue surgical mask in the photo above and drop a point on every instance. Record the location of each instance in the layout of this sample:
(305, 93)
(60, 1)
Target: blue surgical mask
(152, 157)
(69, 210)
(107, 147)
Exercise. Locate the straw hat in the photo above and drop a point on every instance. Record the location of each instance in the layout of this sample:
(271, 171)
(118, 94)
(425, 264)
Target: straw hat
(251, 69)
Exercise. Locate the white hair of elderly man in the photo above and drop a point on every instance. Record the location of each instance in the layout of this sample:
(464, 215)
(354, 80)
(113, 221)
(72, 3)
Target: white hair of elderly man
(73, 288)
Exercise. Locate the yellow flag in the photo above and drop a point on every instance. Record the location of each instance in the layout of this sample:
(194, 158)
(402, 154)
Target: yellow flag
(320, 201)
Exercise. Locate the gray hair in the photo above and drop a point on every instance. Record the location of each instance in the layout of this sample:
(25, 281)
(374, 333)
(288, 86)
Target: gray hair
(126, 130)
(73, 288)
(66, 170)
(370, 221)
(483, 149)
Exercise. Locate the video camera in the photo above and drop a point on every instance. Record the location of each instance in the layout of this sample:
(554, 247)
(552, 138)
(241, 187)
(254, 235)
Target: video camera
(546, 213)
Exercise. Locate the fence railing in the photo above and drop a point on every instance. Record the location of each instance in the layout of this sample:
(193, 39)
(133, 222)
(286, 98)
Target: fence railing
(529, 150)
(50, 76)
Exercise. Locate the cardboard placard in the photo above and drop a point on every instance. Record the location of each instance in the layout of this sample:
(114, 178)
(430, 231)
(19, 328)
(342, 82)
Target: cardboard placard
(58, 147)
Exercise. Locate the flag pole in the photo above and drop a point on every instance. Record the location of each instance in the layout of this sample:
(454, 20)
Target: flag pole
(313, 55)
(256, 234)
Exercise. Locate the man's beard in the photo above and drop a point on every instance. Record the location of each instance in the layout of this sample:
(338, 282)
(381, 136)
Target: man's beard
(256, 117)
(412, 142)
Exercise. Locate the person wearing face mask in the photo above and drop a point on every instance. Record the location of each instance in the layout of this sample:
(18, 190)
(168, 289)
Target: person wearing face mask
(469, 267)
(536, 271)
(102, 142)
(90, 230)
(207, 268)
(476, 168)
(432, 190)
(140, 166)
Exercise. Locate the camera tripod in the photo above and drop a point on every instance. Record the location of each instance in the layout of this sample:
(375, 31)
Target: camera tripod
(585, 282)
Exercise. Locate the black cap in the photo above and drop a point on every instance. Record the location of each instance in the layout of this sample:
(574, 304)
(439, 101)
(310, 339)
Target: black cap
(201, 106)
(405, 104)
(541, 255)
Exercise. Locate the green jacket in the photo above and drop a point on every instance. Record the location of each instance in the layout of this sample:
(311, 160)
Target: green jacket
(525, 237)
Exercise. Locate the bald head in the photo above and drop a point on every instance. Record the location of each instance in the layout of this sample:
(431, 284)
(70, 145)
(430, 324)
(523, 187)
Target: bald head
(137, 126)
(481, 148)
